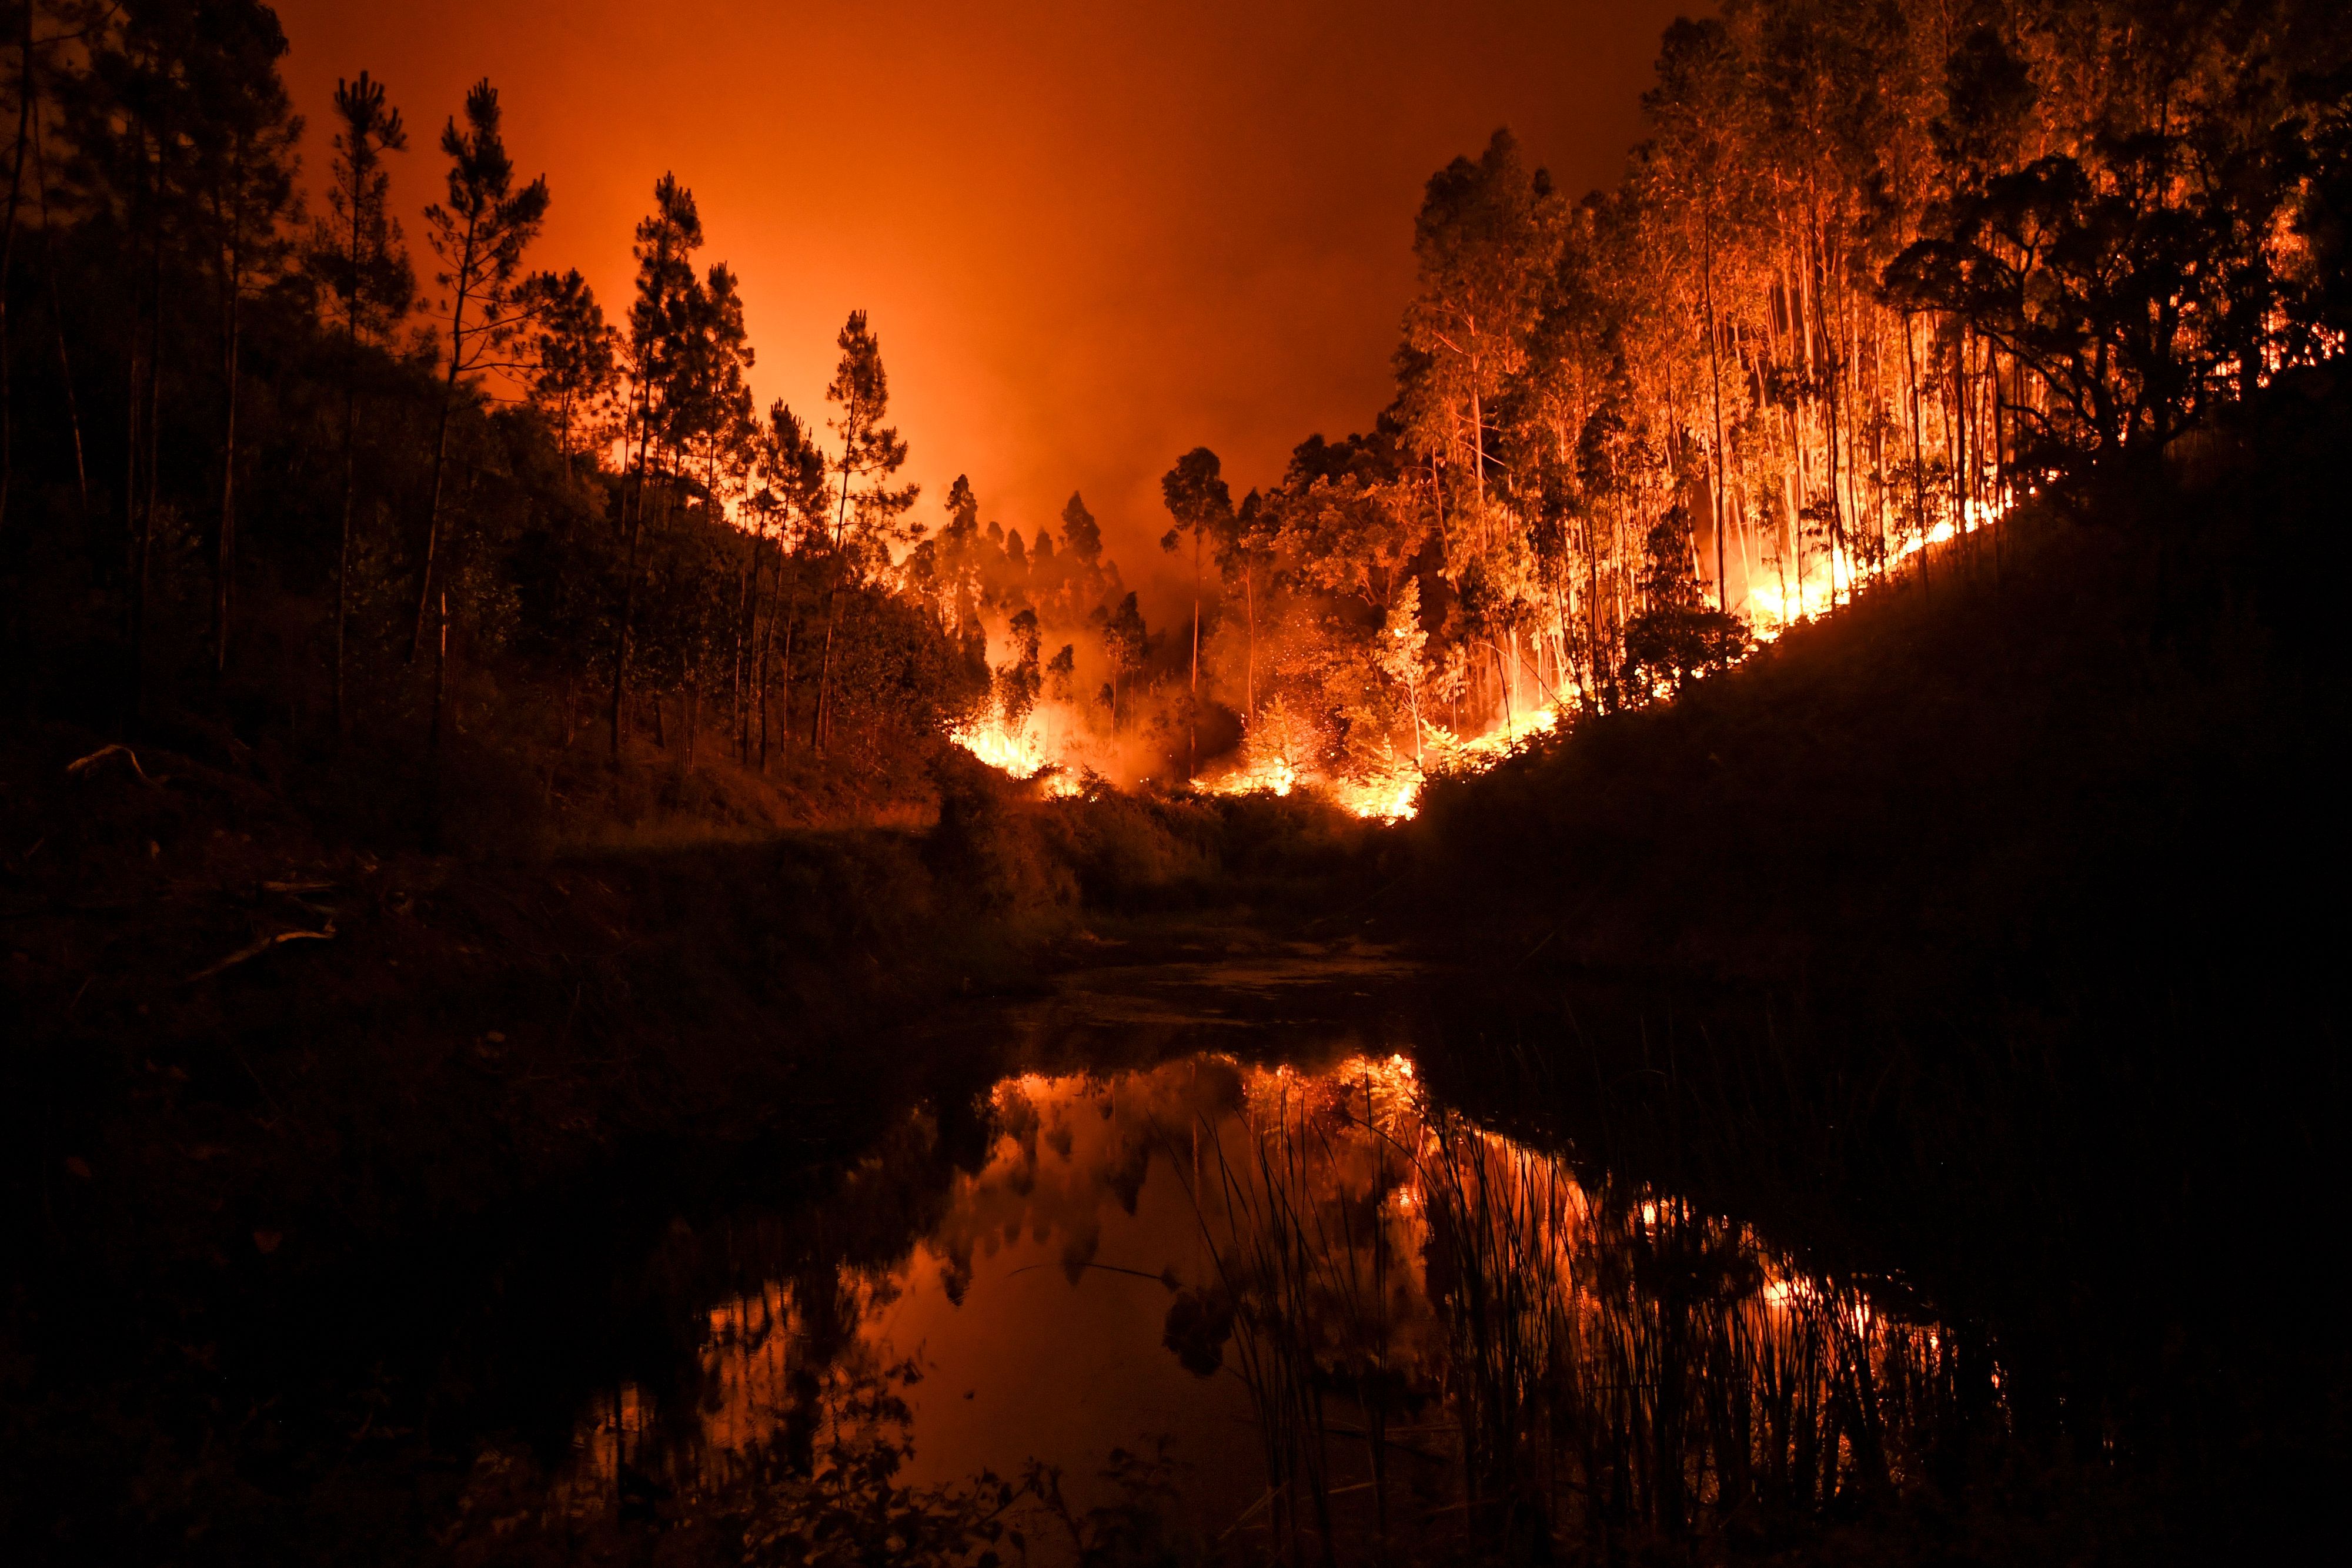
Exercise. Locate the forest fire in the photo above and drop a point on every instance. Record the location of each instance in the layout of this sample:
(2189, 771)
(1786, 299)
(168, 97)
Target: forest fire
(587, 852)
(1021, 753)
(1773, 607)
(1389, 793)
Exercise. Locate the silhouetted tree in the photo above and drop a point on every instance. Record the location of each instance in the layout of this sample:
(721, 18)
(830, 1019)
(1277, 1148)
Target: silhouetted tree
(245, 147)
(865, 520)
(667, 240)
(357, 256)
(1196, 497)
(479, 232)
(574, 360)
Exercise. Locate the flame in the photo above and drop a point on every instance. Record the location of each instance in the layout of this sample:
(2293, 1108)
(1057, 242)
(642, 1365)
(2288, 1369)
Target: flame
(1773, 607)
(1388, 799)
(1021, 753)
(1391, 791)
(1276, 777)
(1484, 750)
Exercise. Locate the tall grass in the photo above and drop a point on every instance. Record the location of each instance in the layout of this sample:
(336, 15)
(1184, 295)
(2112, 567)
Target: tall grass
(1606, 1368)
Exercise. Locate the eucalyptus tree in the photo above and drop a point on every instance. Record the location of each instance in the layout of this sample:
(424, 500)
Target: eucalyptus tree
(1123, 641)
(480, 233)
(1080, 532)
(1246, 552)
(1483, 239)
(1195, 494)
(1694, 106)
(1019, 682)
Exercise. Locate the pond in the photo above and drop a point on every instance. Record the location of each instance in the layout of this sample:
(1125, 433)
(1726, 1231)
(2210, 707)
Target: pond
(1215, 1274)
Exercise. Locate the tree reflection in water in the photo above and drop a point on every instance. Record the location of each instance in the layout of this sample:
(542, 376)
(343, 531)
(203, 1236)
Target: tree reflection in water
(1446, 1341)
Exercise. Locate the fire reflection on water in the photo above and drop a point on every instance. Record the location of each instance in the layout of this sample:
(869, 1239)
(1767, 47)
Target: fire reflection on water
(1430, 1327)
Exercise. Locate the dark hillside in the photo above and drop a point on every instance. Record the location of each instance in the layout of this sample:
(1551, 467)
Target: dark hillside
(2099, 757)
(1986, 932)
(308, 1142)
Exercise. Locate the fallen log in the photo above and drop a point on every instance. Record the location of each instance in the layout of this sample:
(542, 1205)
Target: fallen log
(257, 949)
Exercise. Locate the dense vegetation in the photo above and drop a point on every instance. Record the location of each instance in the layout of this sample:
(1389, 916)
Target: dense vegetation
(1874, 276)
(442, 543)
(1878, 273)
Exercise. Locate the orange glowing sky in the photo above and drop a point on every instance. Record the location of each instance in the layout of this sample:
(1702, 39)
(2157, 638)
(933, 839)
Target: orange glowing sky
(1091, 236)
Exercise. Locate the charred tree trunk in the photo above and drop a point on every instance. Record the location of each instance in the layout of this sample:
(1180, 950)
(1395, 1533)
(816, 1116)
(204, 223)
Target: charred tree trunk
(343, 542)
(57, 315)
(1715, 378)
(8, 261)
(225, 559)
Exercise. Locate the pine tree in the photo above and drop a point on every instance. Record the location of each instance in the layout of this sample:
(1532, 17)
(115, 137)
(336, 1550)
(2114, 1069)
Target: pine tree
(480, 233)
(357, 258)
(574, 355)
(667, 240)
(244, 149)
(865, 520)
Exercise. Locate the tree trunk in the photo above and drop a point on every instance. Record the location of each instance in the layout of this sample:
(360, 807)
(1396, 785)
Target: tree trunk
(1600, 683)
(636, 519)
(784, 668)
(821, 724)
(1192, 705)
(463, 288)
(343, 546)
(1960, 436)
(152, 433)
(1249, 678)
(134, 563)
(767, 641)
(433, 512)
(747, 657)
(58, 313)
(1714, 376)
(225, 566)
(1918, 452)
(433, 738)
(8, 261)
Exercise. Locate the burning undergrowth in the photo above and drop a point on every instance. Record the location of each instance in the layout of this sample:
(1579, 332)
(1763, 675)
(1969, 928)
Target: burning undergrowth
(1050, 846)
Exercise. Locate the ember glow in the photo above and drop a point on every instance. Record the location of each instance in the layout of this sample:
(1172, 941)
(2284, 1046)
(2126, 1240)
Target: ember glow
(1026, 214)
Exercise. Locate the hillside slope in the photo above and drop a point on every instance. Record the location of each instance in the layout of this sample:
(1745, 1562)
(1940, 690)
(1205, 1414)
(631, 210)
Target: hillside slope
(1985, 934)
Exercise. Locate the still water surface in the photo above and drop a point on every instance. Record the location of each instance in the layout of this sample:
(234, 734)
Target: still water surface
(1220, 1257)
